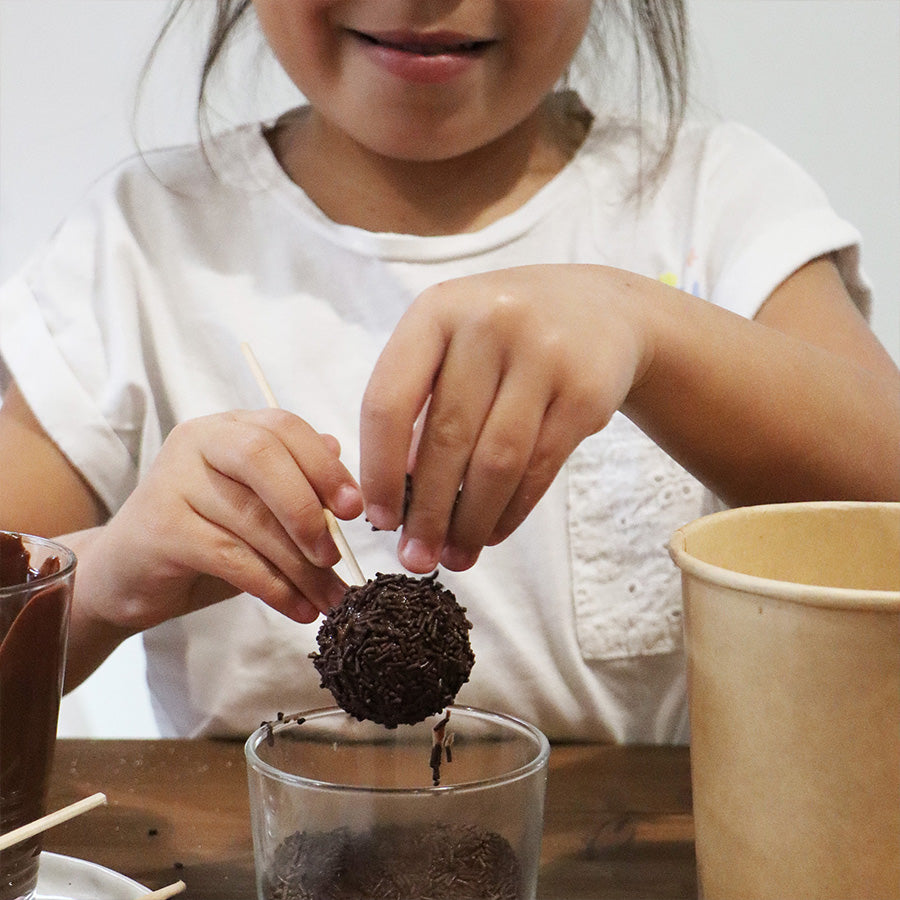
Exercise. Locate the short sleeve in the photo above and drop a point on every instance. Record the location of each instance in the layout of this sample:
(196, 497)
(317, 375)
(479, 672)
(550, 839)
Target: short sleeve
(761, 217)
(68, 340)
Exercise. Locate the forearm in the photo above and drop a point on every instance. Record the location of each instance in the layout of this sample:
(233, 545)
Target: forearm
(760, 415)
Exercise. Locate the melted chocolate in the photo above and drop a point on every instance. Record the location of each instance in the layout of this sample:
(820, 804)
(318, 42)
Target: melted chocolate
(32, 658)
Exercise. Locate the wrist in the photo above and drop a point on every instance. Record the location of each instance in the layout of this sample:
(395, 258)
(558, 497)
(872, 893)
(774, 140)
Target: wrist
(647, 308)
(93, 632)
(666, 321)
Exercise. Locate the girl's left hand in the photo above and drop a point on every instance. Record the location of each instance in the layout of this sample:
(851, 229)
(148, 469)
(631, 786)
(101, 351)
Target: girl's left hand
(512, 370)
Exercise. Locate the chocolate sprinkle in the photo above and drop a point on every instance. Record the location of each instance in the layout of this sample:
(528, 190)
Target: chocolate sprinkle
(441, 740)
(393, 862)
(395, 650)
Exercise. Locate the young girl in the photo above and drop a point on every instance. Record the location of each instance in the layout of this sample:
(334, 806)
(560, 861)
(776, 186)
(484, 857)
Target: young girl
(576, 332)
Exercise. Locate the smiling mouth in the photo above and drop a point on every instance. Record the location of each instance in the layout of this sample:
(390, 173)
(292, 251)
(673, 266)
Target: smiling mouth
(423, 45)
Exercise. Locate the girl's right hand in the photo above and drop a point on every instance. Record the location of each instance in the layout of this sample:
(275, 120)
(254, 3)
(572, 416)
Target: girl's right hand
(234, 502)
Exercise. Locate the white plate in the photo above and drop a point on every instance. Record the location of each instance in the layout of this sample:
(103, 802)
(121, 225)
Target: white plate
(67, 878)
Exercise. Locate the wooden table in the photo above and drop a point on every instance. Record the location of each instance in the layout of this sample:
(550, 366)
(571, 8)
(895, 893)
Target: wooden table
(618, 819)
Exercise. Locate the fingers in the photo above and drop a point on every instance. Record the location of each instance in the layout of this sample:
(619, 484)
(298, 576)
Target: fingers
(516, 368)
(286, 473)
(485, 455)
(452, 428)
(553, 446)
(393, 401)
(293, 585)
(164, 555)
(233, 499)
(474, 451)
(499, 471)
(257, 554)
(520, 450)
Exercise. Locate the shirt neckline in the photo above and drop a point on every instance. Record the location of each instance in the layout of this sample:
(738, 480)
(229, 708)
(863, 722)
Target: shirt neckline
(257, 163)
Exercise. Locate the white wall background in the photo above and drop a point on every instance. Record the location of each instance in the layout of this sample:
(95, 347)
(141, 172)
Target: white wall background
(821, 78)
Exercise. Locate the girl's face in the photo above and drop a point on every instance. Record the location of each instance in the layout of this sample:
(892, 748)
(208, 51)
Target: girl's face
(424, 79)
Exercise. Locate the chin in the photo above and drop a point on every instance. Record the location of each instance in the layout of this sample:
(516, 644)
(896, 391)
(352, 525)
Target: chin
(415, 144)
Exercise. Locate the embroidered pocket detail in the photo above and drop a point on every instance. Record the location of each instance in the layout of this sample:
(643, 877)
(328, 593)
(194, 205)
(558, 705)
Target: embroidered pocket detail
(626, 497)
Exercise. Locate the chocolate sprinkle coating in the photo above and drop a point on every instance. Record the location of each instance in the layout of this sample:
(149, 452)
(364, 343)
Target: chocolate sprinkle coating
(393, 862)
(396, 650)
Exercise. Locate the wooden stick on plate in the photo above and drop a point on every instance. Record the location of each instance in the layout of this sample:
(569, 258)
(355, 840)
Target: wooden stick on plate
(165, 892)
(17, 835)
(330, 520)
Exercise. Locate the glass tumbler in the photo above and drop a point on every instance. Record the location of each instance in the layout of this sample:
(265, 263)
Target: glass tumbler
(36, 581)
(447, 808)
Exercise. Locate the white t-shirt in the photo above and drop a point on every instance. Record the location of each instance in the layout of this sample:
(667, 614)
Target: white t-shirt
(131, 320)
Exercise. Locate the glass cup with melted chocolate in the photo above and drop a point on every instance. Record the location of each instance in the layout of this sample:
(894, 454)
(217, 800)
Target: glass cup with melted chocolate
(36, 581)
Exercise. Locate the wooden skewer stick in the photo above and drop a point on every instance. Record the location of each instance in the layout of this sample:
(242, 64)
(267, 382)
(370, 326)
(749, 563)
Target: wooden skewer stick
(334, 528)
(17, 835)
(258, 374)
(346, 553)
(165, 892)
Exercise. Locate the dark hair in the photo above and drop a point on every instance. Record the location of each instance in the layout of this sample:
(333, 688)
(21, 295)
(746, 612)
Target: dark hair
(656, 29)
(658, 35)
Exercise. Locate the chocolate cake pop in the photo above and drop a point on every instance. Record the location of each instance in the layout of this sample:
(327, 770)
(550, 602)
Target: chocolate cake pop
(396, 650)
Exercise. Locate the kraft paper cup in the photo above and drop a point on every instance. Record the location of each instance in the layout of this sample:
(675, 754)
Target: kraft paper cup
(792, 630)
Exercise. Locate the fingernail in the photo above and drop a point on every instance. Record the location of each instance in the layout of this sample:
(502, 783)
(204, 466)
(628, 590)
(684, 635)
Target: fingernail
(458, 560)
(417, 556)
(325, 553)
(381, 518)
(305, 612)
(348, 499)
(335, 596)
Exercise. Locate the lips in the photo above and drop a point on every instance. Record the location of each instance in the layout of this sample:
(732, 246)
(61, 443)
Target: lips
(434, 44)
(421, 58)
